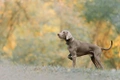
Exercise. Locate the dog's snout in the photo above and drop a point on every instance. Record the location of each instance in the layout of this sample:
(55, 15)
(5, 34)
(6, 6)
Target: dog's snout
(58, 34)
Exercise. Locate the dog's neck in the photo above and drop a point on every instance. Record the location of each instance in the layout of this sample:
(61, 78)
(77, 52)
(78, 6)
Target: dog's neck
(69, 41)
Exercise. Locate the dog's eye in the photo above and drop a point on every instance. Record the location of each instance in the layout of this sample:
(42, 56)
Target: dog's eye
(63, 32)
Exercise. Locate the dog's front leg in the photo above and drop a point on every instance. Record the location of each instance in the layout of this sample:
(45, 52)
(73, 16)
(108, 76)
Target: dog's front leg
(74, 61)
(73, 58)
(70, 56)
(73, 55)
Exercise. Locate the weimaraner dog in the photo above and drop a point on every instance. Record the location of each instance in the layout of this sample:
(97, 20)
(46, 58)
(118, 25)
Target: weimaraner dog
(78, 48)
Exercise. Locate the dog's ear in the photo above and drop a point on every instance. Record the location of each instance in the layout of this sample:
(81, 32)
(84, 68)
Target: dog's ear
(68, 35)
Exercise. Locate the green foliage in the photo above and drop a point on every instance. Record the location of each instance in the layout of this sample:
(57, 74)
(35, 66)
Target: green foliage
(37, 51)
(98, 10)
(115, 20)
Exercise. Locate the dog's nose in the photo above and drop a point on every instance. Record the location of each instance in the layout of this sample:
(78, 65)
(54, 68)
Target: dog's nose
(58, 34)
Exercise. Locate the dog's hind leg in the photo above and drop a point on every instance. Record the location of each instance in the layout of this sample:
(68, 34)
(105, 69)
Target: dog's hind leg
(94, 62)
(98, 62)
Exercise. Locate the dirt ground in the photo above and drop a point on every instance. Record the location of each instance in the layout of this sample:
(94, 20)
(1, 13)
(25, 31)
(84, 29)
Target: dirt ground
(22, 72)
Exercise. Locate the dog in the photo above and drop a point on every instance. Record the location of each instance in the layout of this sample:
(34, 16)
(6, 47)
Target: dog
(77, 48)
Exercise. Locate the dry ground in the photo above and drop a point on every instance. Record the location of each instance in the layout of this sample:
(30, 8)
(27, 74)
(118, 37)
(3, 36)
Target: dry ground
(22, 72)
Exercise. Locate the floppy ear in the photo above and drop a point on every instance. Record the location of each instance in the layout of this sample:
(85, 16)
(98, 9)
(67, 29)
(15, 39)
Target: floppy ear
(68, 35)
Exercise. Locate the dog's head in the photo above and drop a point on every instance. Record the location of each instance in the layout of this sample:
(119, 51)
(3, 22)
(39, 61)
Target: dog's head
(65, 34)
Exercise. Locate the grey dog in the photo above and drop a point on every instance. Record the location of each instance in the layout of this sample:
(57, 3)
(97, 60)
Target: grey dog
(78, 48)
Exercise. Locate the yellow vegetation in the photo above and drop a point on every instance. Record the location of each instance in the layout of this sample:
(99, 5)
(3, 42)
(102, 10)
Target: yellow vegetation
(10, 45)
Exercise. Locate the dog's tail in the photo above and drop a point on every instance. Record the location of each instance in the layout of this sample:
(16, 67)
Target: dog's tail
(109, 47)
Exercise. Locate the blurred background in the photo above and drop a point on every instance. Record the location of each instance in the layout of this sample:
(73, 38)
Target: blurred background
(28, 30)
